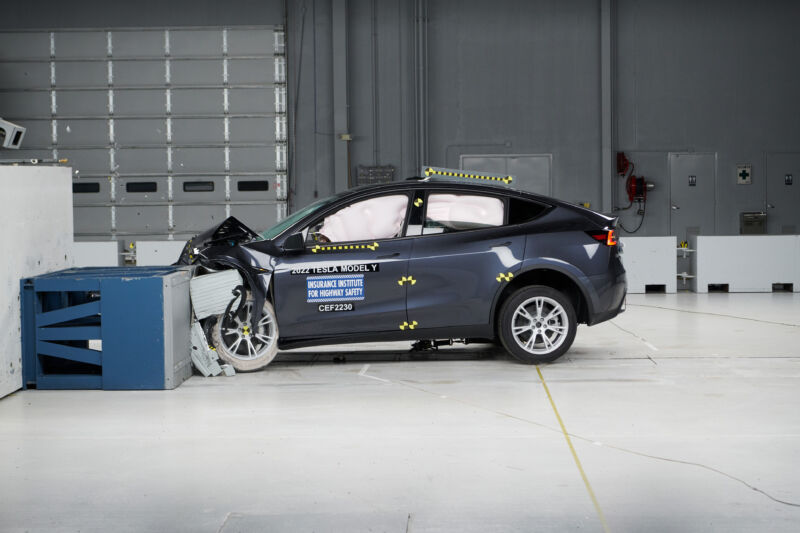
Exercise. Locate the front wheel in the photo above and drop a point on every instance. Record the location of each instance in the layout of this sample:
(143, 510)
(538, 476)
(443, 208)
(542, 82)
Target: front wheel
(238, 344)
(537, 324)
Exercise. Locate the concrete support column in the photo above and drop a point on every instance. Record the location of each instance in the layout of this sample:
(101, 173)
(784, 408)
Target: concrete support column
(606, 103)
(341, 106)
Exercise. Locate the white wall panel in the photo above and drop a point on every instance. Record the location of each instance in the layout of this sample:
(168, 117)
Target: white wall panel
(37, 236)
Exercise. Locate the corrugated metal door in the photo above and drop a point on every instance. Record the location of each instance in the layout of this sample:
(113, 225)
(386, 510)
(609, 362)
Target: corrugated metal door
(168, 130)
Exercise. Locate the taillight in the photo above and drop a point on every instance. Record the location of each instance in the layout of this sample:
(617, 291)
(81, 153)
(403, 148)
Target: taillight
(607, 237)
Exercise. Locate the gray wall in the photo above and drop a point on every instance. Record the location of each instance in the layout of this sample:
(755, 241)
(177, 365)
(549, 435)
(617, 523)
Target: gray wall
(47, 14)
(524, 77)
(711, 76)
(515, 77)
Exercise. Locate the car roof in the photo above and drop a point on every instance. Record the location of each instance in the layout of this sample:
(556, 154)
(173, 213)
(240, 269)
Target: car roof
(447, 183)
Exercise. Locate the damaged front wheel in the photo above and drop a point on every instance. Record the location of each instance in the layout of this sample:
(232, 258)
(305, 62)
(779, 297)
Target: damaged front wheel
(241, 346)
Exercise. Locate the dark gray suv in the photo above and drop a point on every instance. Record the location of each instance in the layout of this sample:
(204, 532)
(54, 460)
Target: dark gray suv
(424, 259)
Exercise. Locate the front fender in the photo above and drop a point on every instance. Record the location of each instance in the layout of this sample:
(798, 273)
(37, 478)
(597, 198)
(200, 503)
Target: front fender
(256, 276)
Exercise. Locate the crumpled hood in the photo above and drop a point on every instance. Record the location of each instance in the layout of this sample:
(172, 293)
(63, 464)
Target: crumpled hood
(230, 231)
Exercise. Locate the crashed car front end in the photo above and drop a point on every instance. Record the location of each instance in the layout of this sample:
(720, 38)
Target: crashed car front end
(231, 246)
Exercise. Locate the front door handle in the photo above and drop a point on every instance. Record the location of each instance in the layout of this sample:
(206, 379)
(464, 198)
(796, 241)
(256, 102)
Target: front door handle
(507, 243)
(388, 256)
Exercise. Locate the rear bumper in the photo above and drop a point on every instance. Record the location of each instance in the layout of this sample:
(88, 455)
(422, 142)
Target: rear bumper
(609, 313)
(611, 290)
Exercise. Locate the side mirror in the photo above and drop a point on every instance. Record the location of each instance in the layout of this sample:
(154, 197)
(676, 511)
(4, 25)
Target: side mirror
(294, 243)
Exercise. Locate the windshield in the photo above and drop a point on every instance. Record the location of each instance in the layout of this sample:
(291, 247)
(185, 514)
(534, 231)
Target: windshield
(289, 221)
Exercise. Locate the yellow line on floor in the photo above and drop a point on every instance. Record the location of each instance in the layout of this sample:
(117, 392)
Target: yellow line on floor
(574, 454)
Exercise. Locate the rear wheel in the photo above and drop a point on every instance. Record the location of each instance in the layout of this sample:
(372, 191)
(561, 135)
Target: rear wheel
(537, 324)
(238, 344)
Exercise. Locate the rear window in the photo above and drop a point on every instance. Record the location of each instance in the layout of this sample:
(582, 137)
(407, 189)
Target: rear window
(446, 213)
(521, 211)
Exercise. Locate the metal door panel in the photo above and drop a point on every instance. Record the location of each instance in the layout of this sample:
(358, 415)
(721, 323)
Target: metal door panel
(783, 200)
(82, 74)
(252, 159)
(25, 76)
(80, 44)
(192, 43)
(249, 100)
(102, 196)
(138, 58)
(197, 72)
(250, 42)
(140, 102)
(39, 134)
(195, 189)
(34, 45)
(197, 218)
(139, 43)
(138, 73)
(197, 101)
(692, 206)
(19, 104)
(87, 161)
(252, 130)
(198, 131)
(147, 161)
(139, 132)
(248, 183)
(92, 220)
(81, 103)
(124, 196)
(251, 71)
(142, 219)
(380, 307)
(198, 160)
(82, 132)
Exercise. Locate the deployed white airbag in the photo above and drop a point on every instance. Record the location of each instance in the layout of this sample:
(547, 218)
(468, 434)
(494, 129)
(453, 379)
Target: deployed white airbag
(376, 218)
(458, 211)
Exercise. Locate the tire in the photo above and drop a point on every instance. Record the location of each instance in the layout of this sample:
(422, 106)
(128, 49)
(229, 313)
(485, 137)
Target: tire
(237, 345)
(531, 341)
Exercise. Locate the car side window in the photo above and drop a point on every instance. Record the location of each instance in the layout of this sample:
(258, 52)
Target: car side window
(446, 213)
(376, 218)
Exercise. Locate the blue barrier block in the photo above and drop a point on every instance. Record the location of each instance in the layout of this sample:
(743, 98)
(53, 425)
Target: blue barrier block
(138, 316)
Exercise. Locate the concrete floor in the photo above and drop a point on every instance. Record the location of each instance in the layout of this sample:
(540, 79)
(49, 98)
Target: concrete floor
(681, 414)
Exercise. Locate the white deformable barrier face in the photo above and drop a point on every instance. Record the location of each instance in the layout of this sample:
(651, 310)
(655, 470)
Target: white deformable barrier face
(376, 218)
(457, 211)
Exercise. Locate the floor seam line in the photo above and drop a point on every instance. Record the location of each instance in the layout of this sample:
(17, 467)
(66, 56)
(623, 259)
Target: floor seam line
(574, 454)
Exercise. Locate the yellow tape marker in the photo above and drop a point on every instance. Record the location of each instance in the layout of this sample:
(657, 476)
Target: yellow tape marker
(412, 325)
(418, 202)
(574, 454)
(504, 277)
(318, 248)
(409, 279)
(430, 171)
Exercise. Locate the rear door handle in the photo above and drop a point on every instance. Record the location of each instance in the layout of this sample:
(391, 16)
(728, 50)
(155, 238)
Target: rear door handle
(388, 256)
(507, 243)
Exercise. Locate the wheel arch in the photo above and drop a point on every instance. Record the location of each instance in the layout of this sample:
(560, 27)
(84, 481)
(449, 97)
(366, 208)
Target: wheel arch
(550, 277)
(257, 282)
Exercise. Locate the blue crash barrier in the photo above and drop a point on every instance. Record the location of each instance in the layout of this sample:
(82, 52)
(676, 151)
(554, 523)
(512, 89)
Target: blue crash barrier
(106, 328)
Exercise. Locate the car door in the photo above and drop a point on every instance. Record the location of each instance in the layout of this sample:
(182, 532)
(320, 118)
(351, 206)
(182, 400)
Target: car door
(463, 256)
(346, 283)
